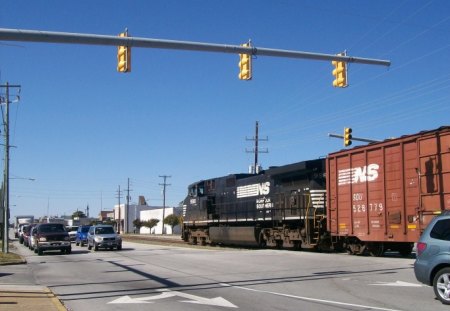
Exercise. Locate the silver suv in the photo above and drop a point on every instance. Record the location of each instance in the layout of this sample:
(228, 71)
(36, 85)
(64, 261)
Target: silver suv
(432, 265)
(103, 236)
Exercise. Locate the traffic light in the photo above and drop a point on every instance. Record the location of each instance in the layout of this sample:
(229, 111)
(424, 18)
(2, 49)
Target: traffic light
(245, 65)
(123, 56)
(340, 73)
(347, 136)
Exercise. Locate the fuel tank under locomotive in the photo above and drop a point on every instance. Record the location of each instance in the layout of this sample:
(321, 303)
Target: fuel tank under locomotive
(279, 207)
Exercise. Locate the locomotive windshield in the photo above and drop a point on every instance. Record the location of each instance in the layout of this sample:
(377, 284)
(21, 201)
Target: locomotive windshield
(197, 190)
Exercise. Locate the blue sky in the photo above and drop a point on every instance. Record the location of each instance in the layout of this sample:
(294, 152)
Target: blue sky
(81, 128)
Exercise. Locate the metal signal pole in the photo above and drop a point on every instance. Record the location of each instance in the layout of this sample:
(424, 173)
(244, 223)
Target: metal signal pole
(93, 39)
(366, 140)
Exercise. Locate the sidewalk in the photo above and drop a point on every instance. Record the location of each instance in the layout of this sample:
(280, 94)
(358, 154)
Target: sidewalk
(16, 294)
(28, 297)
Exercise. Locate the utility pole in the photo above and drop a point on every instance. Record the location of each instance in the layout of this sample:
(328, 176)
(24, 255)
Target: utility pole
(127, 212)
(255, 168)
(164, 199)
(5, 202)
(119, 195)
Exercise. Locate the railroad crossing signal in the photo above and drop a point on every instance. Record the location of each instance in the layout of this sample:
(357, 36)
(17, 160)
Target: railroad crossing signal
(245, 65)
(340, 72)
(123, 56)
(347, 136)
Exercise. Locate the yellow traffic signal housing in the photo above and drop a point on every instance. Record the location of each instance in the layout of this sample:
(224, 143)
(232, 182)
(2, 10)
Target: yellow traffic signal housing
(347, 136)
(245, 65)
(340, 73)
(123, 56)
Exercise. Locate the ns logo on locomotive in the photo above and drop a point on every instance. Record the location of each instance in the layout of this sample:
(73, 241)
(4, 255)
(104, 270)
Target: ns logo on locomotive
(367, 199)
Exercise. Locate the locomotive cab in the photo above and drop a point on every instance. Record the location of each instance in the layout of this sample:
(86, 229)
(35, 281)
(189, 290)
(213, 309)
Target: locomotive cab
(198, 208)
(196, 190)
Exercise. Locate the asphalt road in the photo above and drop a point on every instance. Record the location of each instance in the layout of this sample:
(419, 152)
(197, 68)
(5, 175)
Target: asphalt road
(157, 277)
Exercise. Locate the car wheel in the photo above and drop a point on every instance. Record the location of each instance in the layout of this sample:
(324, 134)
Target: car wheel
(441, 285)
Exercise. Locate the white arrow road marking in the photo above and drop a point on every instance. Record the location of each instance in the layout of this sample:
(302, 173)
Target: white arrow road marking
(397, 283)
(218, 301)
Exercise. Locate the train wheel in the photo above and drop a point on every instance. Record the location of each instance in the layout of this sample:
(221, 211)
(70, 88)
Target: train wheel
(193, 240)
(262, 243)
(376, 249)
(405, 249)
(351, 250)
(279, 244)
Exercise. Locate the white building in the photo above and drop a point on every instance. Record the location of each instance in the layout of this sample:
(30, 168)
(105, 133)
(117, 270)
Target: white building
(128, 215)
(142, 211)
(157, 213)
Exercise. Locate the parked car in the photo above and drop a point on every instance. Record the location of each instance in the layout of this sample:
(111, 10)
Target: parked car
(23, 239)
(432, 265)
(52, 236)
(20, 232)
(81, 236)
(72, 230)
(103, 236)
(32, 238)
(26, 232)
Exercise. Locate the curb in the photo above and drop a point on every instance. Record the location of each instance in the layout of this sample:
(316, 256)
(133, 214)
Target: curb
(20, 261)
(55, 300)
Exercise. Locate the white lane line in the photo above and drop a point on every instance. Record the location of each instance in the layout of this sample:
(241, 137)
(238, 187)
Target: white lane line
(331, 302)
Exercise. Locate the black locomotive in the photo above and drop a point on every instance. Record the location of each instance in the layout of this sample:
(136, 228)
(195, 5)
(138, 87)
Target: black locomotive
(279, 207)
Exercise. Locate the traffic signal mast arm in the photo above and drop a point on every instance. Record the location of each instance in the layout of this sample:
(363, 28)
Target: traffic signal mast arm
(92, 39)
(366, 140)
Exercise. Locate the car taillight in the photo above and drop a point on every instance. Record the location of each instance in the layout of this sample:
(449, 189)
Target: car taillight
(421, 247)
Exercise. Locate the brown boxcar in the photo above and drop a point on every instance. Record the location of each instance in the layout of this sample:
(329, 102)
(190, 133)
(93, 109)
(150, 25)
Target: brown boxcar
(382, 196)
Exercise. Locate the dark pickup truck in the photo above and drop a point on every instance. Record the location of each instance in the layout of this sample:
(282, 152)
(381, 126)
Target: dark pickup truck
(52, 237)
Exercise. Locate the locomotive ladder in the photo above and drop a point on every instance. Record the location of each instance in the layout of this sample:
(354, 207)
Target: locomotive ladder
(317, 225)
(317, 217)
